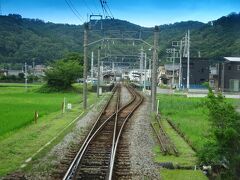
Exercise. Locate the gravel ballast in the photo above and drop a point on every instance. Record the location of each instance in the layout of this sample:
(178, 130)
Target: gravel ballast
(140, 140)
(141, 144)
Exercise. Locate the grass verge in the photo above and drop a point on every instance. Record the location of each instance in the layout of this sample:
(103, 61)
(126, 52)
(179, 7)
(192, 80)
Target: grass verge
(186, 159)
(22, 143)
(187, 156)
(182, 175)
(189, 114)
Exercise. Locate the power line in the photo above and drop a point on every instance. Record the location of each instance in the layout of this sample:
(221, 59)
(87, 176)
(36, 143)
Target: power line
(74, 10)
(106, 10)
(110, 11)
(103, 8)
(87, 6)
(96, 6)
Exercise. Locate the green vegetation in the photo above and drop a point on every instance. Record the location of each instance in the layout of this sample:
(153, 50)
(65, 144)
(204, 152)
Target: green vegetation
(187, 156)
(211, 124)
(182, 175)
(223, 145)
(17, 107)
(21, 143)
(27, 39)
(189, 114)
(63, 73)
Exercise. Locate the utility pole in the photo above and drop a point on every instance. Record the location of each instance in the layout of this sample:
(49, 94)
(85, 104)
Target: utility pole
(92, 58)
(154, 67)
(26, 76)
(145, 72)
(33, 70)
(180, 66)
(113, 70)
(150, 72)
(101, 72)
(188, 60)
(141, 64)
(173, 59)
(98, 69)
(85, 42)
(173, 53)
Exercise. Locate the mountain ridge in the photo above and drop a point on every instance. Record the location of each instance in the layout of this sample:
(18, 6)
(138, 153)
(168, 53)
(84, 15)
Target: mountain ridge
(24, 39)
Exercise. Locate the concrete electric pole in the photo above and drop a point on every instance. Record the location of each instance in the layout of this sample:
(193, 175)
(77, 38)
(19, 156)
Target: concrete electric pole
(141, 65)
(98, 71)
(188, 60)
(25, 74)
(173, 52)
(145, 71)
(86, 29)
(92, 59)
(180, 66)
(154, 69)
(173, 59)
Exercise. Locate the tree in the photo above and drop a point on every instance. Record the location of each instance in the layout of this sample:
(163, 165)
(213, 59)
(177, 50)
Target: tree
(223, 146)
(64, 72)
(21, 76)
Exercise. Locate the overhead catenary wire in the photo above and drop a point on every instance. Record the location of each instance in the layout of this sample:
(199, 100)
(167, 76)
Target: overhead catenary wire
(96, 6)
(87, 6)
(103, 8)
(110, 11)
(74, 10)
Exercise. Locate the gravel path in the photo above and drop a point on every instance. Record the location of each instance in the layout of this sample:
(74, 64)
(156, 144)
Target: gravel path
(44, 167)
(141, 144)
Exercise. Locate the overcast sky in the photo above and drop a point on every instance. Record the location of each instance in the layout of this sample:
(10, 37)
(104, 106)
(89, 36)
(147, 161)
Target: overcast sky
(143, 12)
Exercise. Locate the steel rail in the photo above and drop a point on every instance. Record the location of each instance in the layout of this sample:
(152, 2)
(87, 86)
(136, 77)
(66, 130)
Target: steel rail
(115, 124)
(75, 163)
(120, 133)
(70, 169)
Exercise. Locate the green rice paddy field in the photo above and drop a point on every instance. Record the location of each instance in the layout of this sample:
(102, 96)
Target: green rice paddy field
(17, 107)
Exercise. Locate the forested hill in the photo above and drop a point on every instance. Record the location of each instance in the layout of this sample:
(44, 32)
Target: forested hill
(27, 39)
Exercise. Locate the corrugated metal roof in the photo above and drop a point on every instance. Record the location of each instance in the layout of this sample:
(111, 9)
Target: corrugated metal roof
(233, 59)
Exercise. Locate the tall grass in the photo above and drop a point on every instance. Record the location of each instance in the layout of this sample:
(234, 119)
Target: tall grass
(17, 107)
(189, 114)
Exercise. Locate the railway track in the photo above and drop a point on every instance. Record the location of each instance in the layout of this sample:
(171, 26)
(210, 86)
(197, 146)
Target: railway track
(167, 146)
(104, 153)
